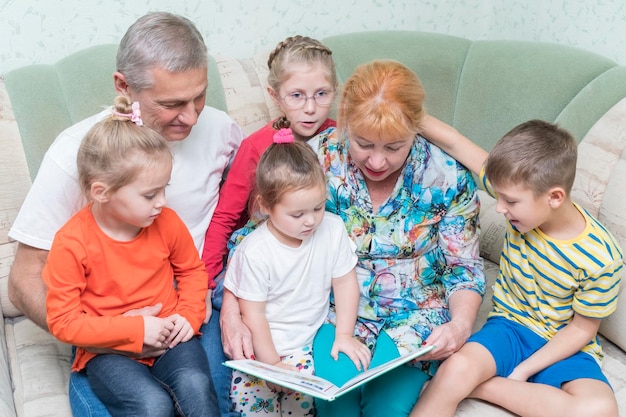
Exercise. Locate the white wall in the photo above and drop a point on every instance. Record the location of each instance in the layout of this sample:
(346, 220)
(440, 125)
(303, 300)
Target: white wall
(43, 31)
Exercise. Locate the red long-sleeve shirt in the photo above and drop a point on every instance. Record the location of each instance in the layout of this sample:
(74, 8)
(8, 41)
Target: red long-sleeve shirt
(236, 197)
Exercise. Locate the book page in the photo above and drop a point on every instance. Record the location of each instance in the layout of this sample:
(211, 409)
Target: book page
(314, 385)
(307, 384)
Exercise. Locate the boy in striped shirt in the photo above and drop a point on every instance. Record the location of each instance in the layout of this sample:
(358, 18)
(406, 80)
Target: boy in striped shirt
(538, 354)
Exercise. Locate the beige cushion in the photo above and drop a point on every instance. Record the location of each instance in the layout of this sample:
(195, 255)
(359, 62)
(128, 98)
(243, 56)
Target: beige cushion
(40, 367)
(245, 87)
(14, 184)
(599, 187)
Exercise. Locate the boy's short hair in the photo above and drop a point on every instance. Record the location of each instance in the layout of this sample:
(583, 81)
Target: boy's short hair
(536, 154)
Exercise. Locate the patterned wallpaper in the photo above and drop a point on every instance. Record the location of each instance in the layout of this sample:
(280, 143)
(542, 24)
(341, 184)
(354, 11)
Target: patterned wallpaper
(43, 31)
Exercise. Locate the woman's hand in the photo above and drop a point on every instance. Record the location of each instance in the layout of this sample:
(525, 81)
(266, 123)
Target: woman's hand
(448, 338)
(236, 337)
(356, 351)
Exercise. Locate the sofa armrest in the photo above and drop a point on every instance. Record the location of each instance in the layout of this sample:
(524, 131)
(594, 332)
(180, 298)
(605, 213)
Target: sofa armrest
(598, 187)
(14, 184)
(7, 405)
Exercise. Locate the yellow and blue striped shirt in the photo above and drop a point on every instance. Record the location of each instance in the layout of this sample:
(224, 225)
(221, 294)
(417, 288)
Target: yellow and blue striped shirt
(543, 281)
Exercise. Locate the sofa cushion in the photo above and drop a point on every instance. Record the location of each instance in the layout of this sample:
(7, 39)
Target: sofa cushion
(246, 97)
(7, 406)
(598, 187)
(40, 368)
(14, 184)
(515, 81)
(519, 81)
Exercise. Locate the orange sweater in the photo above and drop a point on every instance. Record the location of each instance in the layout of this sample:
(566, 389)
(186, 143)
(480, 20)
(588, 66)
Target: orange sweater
(92, 280)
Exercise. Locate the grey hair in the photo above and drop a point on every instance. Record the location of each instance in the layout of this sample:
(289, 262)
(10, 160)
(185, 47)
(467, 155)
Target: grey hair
(159, 40)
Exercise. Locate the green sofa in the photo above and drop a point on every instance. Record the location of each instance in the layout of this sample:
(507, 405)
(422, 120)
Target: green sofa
(483, 88)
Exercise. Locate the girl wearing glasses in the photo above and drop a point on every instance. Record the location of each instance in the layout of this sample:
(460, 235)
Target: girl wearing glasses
(302, 82)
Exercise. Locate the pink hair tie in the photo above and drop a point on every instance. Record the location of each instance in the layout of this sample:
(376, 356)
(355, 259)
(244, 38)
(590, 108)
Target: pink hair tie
(134, 115)
(283, 136)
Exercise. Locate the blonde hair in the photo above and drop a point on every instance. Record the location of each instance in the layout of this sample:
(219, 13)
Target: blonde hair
(536, 154)
(298, 49)
(116, 149)
(382, 99)
(285, 167)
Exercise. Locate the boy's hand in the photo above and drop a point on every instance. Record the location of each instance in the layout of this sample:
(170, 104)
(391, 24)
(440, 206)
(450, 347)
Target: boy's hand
(356, 351)
(181, 332)
(518, 374)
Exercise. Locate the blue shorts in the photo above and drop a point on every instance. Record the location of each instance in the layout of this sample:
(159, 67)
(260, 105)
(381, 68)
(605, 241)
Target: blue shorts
(510, 343)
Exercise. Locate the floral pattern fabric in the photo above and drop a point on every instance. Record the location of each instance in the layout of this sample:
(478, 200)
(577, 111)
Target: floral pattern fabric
(419, 248)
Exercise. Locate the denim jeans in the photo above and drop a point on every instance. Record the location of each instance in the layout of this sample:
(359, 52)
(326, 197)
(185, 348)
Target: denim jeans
(211, 341)
(85, 403)
(178, 383)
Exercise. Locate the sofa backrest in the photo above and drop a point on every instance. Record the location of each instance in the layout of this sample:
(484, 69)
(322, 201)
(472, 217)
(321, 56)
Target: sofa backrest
(485, 88)
(49, 98)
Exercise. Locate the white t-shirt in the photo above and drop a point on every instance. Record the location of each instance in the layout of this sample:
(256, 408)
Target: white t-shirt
(295, 283)
(199, 163)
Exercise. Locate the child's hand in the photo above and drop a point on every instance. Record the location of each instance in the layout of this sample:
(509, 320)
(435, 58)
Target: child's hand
(280, 388)
(181, 332)
(356, 351)
(156, 332)
(519, 374)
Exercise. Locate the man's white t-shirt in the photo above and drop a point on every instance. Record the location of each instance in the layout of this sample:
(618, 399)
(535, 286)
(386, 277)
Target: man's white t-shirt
(199, 164)
(295, 283)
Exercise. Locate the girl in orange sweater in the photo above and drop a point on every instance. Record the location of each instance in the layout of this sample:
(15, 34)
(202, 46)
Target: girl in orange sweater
(122, 252)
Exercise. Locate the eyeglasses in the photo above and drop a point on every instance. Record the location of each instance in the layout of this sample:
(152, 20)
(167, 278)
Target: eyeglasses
(322, 98)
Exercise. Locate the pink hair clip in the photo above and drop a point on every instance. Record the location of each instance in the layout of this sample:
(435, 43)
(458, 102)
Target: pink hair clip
(134, 115)
(283, 136)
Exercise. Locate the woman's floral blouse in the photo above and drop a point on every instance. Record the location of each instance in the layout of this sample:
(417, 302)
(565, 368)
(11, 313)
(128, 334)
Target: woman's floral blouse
(418, 249)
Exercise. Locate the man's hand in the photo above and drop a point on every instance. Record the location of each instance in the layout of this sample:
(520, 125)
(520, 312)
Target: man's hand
(149, 350)
(27, 290)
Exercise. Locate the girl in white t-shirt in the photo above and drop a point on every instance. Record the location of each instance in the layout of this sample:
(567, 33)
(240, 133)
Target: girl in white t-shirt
(283, 273)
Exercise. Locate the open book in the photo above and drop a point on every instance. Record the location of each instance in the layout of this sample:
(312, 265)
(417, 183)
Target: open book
(314, 385)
